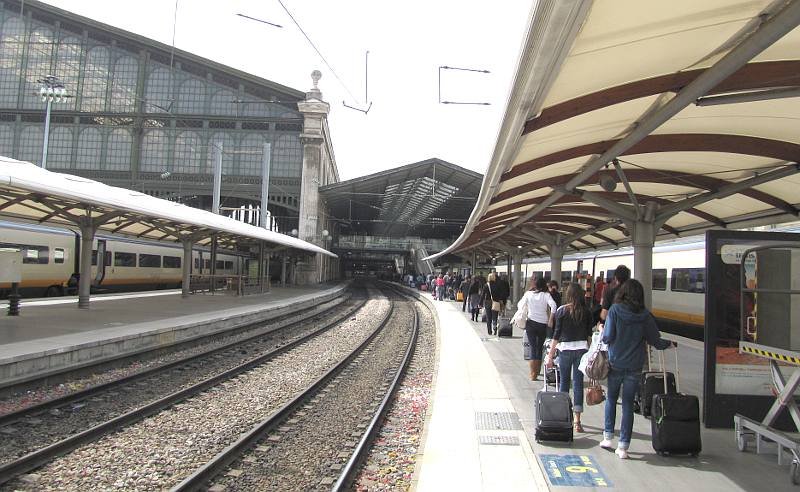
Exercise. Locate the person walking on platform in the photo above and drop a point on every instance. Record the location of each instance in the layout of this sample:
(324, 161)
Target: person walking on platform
(599, 287)
(572, 328)
(475, 300)
(488, 301)
(629, 325)
(440, 287)
(539, 302)
(464, 289)
(554, 292)
(621, 275)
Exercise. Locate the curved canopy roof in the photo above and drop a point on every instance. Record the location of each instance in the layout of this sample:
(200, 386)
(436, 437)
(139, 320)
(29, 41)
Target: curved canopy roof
(430, 198)
(683, 113)
(30, 193)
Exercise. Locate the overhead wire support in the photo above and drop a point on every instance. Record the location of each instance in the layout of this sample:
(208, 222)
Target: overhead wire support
(261, 21)
(366, 87)
(445, 67)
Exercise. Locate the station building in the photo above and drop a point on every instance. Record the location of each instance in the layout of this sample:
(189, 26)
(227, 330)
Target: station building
(144, 116)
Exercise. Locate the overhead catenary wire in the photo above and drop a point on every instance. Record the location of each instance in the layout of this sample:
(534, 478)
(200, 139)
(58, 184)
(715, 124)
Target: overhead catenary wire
(324, 60)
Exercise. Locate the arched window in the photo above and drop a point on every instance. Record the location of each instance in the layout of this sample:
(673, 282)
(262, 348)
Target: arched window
(59, 148)
(90, 145)
(251, 154)
(30, 144)
(68, 67)
(190, 154)
(95, 80)
(155, 146)
(192, 97)
(6, 140)
(158, 92)
(123, 85)
(287, 159)
(222, 103)
(118, 150)
(228, 148)
(40, 54)
(12, 40)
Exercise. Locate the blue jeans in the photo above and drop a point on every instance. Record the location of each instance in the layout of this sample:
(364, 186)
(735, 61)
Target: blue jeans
(628, 380)
(568, 363)
(440, 292)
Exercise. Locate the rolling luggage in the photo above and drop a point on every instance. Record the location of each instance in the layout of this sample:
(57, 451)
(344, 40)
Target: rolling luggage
(675, 420)
(504, 328)
(550, 376)
(652, 384)
(553, 416)
(460, 296)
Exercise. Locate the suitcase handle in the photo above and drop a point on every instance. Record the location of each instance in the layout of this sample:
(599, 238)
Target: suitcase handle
(664, 369)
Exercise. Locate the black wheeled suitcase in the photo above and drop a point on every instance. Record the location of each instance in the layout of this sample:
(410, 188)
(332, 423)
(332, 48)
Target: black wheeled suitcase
(553, 416)
(652, 384)
(675, 421)
(504, 328)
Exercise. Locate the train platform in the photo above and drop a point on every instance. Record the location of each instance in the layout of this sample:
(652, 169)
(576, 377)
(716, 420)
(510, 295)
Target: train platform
(480, 434)
(52, 335)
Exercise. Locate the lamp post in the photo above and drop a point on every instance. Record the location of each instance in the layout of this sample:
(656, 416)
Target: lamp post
(52, 90)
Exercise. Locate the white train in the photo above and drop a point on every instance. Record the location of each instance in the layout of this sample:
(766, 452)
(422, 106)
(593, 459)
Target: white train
(51, 256)
(678, 280)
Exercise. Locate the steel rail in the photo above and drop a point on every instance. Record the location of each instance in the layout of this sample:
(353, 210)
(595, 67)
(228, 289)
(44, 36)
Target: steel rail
(42, 456)
(198, 479)
(371, 432)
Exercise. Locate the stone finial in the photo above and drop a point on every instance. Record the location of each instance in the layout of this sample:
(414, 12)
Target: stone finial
(315, 93)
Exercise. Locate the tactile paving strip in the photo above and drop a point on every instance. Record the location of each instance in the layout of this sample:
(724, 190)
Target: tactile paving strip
(499, 440)
(497, 421)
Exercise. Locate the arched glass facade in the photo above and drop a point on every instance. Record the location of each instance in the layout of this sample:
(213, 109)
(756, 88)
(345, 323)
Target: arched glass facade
(136, 112)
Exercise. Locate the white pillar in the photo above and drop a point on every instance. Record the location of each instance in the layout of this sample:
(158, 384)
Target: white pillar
(517, 288)
(88, 228)
(643, 235)
(266, 159)
(556, 255)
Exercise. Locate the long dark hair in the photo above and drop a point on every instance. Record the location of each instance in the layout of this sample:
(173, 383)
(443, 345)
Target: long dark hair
(631, 294)
(575, 305)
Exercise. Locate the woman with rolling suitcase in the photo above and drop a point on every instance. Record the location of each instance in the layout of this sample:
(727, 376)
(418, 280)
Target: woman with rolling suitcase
(540, 311)
(629, 325)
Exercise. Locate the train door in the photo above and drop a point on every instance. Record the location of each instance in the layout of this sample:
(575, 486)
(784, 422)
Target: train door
(100, 261)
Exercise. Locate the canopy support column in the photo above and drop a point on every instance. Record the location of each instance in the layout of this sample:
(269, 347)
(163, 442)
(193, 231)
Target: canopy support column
(261, 266)
(187, 266)
(516, 284)
(474, 265)
(556, 256)
(643, 235)
(283, 270)
(88, 229)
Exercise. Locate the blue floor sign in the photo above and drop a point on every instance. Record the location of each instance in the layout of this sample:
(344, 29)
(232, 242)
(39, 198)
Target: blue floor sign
(574, 470)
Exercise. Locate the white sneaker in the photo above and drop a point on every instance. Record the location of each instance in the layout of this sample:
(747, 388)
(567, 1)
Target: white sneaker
(622, 453)
(606, 444)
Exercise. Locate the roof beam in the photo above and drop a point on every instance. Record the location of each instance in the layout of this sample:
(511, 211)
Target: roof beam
(618, 209)
(667, 211)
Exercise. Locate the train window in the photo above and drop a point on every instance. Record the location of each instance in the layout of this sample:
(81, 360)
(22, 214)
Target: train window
(58, 255)
(149, 261)
(208, 264)
(37, 255)
(220, 265)
(197, 263)
(610, 276)
(659, 279)
(547, 276)
(538, 274)
(228, 265)
(174, 262)
(566, 277)
(689, 280)
(124, 259)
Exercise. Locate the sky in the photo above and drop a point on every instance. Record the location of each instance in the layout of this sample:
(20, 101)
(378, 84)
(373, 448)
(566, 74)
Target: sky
(407, 43)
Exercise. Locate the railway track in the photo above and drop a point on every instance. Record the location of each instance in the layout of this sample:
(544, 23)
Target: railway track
(300, 446)
(36, 435)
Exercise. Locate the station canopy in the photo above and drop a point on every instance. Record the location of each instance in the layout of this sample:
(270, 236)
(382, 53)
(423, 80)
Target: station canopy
(32, 194)
(430, 199)
(685, 114)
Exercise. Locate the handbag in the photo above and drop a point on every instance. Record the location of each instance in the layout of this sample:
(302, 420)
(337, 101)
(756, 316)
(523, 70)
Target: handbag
(594, 393)
(496, 305)
(521, 317)
(597, 366)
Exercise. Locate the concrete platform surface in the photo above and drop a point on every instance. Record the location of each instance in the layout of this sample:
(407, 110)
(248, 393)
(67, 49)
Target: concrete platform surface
(480, 373)
(52, 334)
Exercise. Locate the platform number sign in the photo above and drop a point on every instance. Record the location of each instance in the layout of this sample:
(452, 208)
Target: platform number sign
(574, 470)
